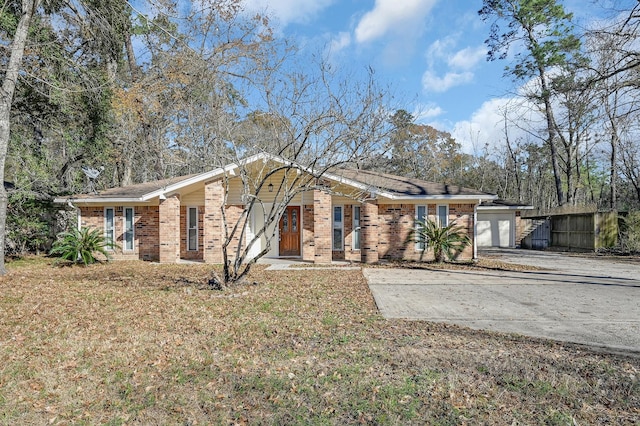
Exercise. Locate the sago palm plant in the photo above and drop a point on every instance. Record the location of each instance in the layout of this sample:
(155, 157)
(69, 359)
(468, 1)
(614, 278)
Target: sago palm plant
(447, 241)
(82, 246)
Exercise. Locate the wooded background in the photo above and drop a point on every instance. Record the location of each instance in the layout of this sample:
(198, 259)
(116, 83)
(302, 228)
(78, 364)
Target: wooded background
(150, 90)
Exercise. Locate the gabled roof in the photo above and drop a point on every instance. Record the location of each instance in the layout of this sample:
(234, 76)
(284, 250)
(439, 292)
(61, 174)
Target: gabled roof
(137, 192)
(382, 184)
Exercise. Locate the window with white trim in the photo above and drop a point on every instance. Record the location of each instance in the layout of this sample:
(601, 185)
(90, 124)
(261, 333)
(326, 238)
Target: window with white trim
(355, 245)
(421, 215)
(442, 211)
(129, 218)
(338, 228)
(192, 228)
(109, 227)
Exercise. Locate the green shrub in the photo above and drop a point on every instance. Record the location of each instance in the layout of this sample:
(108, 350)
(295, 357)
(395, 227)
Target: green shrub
(81, 246)
(630, 238)
(29, 219)
(447, 241)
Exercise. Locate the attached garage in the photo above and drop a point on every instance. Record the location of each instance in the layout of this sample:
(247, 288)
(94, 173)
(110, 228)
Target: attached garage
(498, 223)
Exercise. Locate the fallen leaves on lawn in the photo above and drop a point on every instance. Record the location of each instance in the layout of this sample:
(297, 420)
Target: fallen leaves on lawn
(140, 343)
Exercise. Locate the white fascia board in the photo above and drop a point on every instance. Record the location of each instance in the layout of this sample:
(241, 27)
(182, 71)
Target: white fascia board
(474, 198)
(505, 207)
(98, 200)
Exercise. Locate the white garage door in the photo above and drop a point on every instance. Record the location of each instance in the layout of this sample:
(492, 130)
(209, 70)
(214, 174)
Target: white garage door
(496, 229)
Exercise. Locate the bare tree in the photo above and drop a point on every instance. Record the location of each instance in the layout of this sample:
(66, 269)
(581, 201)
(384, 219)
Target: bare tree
(312, 123)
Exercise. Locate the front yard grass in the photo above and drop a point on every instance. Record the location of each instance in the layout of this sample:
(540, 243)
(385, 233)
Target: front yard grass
(138, 343)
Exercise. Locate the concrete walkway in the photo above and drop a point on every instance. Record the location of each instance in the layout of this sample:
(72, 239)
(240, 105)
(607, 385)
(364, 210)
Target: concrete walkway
(583, 300)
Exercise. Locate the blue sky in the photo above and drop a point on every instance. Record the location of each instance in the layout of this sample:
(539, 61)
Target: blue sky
(431, 51)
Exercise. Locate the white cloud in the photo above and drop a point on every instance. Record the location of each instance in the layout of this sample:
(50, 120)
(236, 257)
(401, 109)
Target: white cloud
(467, 58)
(288, 11)
(426, 112)
(485, 128)
(439, 49)
(397, 16)
(460, 64)
(339, 42)
(433, 83)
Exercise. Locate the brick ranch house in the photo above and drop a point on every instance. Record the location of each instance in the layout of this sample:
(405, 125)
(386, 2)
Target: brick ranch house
(356, 215)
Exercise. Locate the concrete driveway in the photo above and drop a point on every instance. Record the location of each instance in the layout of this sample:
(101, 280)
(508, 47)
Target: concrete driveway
(585, 300)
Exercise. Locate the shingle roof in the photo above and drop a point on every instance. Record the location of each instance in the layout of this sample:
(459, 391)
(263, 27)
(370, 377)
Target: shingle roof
(403, 186)
(131, 191)
(386, 185)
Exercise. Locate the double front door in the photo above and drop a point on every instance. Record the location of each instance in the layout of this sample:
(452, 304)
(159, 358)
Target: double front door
(290, 232)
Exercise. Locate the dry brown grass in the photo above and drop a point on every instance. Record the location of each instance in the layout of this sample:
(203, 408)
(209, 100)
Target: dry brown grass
(137, 343)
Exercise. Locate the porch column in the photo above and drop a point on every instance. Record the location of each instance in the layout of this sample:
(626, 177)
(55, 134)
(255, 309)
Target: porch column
(369, 232)
(322, 227)
(169, 232)
(308, 243)
(212, 221)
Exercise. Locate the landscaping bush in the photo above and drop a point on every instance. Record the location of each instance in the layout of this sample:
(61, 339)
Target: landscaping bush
(630, 232)
(30, 218)
(82, 246)
(447, 241)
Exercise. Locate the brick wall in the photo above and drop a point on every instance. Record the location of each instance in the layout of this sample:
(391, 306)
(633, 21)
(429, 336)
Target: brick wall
(308, 240)
(212, 222)
(397, 220)
(146, 234)
(463, 215)
(322, 227)
(369, 232)
(169, 218)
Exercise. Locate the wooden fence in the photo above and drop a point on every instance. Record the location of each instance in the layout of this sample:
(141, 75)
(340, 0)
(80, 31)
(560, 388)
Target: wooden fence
(574, 231)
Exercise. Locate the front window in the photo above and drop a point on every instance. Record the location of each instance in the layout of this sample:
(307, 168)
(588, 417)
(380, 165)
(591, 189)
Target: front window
(443, 215)
(109, 228)
(192, 229)
(356, 227)
(421, 216)
(128, 228)
(337, 228)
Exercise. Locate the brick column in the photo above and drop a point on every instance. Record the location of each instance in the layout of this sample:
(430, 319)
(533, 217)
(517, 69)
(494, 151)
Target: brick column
(308, 243)
(322, 225)
(212, 221)
(169, 221)
(369, 232)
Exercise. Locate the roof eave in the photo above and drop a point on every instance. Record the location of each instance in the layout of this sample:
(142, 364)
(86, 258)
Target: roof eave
(478, 197)
(64, 200)
(506, 207)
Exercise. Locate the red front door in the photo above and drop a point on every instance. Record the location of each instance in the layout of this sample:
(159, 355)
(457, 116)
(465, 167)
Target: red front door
(290, 232)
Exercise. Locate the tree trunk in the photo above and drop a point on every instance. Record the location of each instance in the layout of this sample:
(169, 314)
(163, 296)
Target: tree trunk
(613, 200)
(551, 137)
(6, 102)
